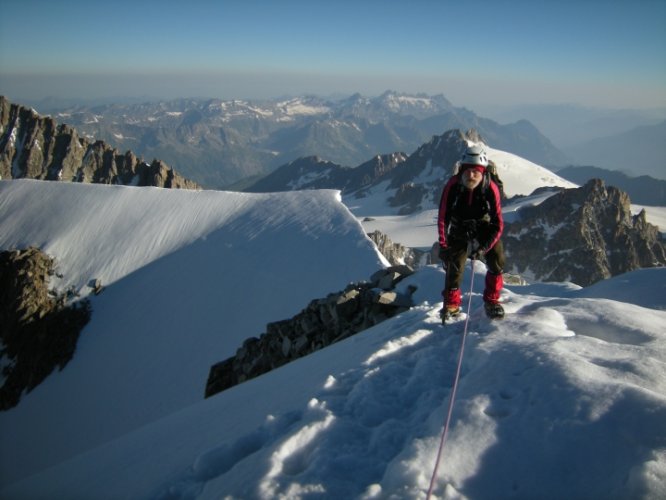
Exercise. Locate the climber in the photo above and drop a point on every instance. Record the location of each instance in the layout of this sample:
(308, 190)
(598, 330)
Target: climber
(470, 225)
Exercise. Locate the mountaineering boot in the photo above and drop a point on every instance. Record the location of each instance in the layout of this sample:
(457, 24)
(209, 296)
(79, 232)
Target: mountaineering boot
(494, 310)
(452, 302)
(448, 312)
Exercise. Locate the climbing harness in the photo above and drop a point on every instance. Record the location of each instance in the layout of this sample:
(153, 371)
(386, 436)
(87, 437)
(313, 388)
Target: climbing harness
(452, 396)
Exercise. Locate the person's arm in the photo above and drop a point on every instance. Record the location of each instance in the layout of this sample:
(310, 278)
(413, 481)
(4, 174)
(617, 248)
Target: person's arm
(496, 218)
(443, 215)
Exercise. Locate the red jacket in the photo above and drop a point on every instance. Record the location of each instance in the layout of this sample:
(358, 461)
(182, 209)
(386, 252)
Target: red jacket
(459, 205)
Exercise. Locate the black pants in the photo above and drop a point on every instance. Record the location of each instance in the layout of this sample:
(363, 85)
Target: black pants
(458, 256)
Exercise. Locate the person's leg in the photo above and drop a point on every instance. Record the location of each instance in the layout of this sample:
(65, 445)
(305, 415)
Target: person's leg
(494, 285)
(495, 258)
(454, 274)
(494, 280)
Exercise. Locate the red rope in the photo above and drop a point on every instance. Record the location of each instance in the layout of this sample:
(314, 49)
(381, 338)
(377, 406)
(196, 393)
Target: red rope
(452, 397)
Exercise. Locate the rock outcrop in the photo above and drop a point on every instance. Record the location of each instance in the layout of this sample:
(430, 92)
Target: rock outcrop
(434, 161)
(313, 172)
(582, 235)
(398, 254)
(38, 328)
(36, 147)
(323, 322)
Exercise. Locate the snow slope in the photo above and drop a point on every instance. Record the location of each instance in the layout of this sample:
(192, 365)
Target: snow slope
(564, 398)
(521, 176)
(189, 275)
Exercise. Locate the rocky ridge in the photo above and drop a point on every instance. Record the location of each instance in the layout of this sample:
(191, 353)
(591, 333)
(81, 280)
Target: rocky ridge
(398, 254)
(36, 147)
(323, 322)
(582, 235)
(434, 160)
(39, 328)
(431, 162)
(313, 172)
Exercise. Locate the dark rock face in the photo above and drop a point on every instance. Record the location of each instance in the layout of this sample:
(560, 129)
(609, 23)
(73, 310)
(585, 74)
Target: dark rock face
(439, 155)
(582, 235)
(322, 323)
(313, 172)
(38, 329)
(36, 147)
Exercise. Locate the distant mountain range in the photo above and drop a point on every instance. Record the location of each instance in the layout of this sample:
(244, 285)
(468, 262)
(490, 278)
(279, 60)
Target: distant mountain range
(218, 143)
(641, 150)
(644, 190)
(36, 146)
(406, 184)
(567, 124)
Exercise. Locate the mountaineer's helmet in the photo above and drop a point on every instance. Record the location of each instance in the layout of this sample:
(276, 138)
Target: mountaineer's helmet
(474, 155)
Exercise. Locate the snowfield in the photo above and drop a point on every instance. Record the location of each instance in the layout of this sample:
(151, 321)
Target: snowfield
(564, 398)
(189, 276)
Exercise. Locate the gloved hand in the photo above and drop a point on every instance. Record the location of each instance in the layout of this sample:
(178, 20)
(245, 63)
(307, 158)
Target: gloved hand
(444, 254)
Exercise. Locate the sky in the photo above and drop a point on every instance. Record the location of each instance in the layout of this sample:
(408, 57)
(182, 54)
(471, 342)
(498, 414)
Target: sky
(592, 52)
(563, 398)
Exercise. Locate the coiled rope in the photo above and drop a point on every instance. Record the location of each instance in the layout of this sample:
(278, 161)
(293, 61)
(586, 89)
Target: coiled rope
(452, 396)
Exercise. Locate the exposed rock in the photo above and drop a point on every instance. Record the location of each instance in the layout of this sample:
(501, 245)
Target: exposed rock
(313, 172)
(39, 330)
(397, 254)
(412, 183)
(323, 322)
(36, 147)
(96, 286)
(582, 235)
(433, 160)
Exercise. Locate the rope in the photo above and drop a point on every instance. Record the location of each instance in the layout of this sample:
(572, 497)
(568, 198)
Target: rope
(452, 397)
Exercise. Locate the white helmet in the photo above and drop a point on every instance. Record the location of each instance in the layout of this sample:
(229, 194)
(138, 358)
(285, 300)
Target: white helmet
(474, 155)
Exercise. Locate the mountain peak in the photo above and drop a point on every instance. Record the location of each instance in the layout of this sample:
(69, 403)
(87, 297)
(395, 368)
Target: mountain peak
(404, 103)
(591, 226)
(36, 147)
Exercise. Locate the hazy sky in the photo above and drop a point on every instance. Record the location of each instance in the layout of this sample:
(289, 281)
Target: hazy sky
(591, 52)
